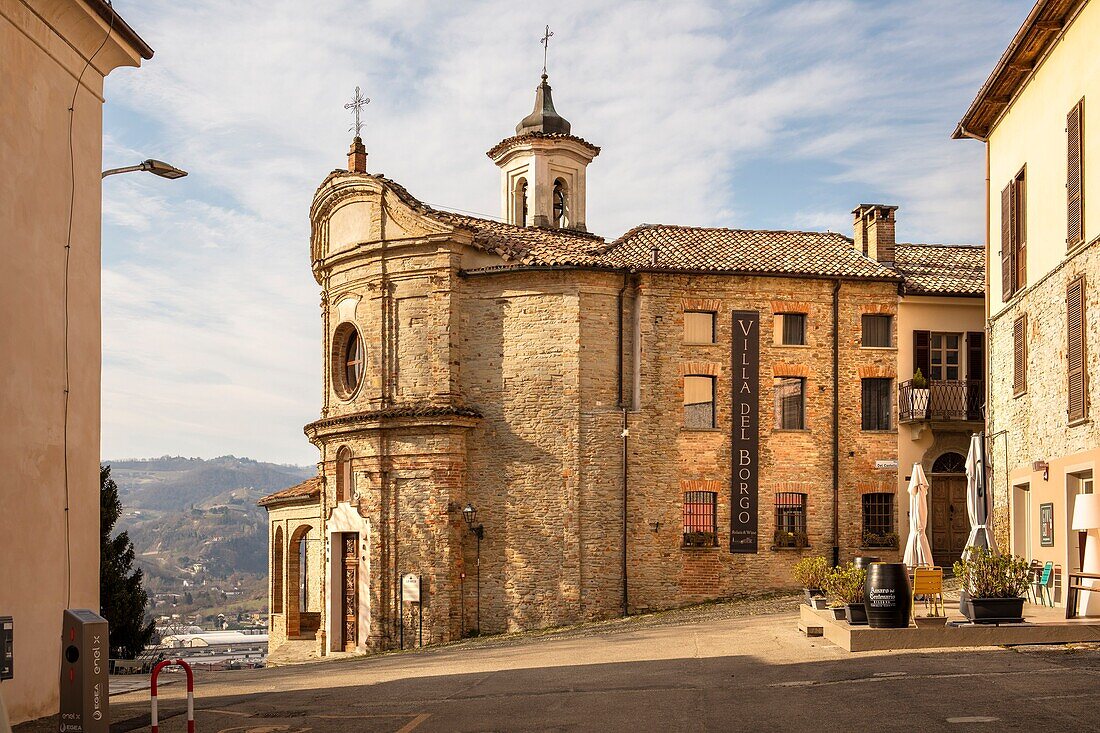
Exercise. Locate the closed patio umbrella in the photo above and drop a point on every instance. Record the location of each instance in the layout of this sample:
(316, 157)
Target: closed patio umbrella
(979, 499)
(917, 549)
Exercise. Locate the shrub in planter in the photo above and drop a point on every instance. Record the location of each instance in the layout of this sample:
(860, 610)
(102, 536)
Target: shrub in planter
(994, 586)
(782, 538)
(810, 573)
(844, 586)
(890, 539)
(700, 539)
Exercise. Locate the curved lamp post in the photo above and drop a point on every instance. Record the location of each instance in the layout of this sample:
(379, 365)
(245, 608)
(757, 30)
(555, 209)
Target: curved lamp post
(469, 513)
(156, 167)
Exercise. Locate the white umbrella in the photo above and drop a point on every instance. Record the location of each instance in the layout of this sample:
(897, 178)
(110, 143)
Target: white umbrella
(917, 549)
(979, 499)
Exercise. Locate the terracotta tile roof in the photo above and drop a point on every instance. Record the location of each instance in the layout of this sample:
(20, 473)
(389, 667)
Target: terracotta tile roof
(529, 245)
(508, 142)
(941, 269)
(308, 489)
(699, 249)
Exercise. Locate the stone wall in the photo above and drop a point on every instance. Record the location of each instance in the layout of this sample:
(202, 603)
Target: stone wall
(1035, 423)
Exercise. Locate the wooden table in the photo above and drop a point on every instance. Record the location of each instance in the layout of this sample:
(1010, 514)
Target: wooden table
(1074, 586)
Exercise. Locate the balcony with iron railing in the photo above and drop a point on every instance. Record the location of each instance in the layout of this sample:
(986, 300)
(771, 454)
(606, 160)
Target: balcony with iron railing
(947, 400)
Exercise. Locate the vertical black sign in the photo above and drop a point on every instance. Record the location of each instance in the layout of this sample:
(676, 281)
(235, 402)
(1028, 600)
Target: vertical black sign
(745, 475)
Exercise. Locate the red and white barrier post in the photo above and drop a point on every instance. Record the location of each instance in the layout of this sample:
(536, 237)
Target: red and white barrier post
(190, 692)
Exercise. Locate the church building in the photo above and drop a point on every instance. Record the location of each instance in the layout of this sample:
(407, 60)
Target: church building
(525, 424)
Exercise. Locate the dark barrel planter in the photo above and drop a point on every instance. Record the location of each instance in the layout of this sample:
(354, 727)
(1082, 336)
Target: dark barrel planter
(856, 614)
(863, 561)
(995, 610)
(887, 596)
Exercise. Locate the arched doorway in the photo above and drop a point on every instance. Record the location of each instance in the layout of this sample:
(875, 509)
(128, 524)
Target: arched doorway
(302, 623)
(949, 525)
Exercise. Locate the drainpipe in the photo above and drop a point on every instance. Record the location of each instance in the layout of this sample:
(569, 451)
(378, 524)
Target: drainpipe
(836, 422)
(625, 435)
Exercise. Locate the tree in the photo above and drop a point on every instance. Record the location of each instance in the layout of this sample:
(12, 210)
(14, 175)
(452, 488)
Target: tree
(121, 595)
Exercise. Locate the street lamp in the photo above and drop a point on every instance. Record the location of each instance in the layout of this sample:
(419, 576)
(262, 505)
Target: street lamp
(469, 513)
(156, 167)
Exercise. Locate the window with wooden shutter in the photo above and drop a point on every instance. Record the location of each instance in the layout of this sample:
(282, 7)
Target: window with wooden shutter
(975, 355)
(1019, 229)
(1019, 355)
(922, 353)
(1076, 383)
(1075, 175)
(1008, 252)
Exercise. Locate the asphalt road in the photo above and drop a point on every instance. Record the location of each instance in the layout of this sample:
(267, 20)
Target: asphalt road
(706, 674)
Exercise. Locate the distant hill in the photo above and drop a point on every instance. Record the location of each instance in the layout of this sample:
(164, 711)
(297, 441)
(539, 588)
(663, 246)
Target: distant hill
(174, 482)
(195, 525)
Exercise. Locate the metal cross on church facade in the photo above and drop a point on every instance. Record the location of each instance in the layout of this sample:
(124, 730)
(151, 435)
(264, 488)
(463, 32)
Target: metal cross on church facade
(357, 103)
(545, 41)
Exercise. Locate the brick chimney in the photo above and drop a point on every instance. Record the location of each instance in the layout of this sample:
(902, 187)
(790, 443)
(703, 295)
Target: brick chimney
(874, 231)
(357, 156)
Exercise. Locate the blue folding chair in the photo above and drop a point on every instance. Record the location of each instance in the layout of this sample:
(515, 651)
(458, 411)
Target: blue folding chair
(1041, 587)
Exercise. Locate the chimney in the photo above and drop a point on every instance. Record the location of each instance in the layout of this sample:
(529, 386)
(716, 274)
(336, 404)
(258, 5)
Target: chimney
(357, 156)
(874, 231)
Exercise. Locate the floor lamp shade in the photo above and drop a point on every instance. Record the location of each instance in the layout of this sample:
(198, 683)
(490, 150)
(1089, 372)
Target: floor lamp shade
(1086, 512)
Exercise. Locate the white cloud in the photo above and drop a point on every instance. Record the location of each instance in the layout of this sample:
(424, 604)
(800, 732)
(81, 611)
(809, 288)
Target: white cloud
(211, 326)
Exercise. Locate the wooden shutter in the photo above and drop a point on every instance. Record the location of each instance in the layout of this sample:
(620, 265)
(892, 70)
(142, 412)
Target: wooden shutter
(1075, 350)
(922, 352)
(1008, 251)
(1019, 355)
(975, 355)
(1075, 184)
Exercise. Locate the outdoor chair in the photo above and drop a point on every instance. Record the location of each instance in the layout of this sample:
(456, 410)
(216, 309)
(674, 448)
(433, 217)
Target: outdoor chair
(1040, 587)
(928, 585)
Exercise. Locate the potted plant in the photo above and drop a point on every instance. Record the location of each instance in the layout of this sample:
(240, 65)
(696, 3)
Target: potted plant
(810, 572)
(785, 538)
(871, 539)
(844, 586)
(700, 539)
(920, 396)
(994, 586)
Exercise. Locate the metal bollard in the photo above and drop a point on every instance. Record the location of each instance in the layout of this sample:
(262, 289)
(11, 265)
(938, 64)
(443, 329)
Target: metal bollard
(190, 692)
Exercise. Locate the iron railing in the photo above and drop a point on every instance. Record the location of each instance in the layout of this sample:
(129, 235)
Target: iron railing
(948, 399)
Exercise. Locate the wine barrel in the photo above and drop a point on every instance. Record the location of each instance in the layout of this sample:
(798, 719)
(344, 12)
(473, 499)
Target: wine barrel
(863, 561)
(887, 595)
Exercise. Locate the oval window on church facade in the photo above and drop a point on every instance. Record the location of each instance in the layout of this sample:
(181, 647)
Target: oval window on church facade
(348, 358)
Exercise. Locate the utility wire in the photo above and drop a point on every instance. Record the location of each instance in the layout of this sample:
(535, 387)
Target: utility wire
(68, 248)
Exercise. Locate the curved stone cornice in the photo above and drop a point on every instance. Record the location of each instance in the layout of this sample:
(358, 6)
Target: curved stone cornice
(400, 416)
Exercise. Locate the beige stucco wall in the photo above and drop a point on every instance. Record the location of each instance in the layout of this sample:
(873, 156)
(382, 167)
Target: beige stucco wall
(921, 442)
(38, 75)
(1033, 132)
(1033, 426)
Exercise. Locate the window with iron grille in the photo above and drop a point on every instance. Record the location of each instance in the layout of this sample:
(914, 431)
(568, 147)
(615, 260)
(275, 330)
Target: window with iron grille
(794, 329)
(790, 520)
(790, 403)
(876, 403)
(698, 402)
(878, 520)
(876, 330)
(700, 519)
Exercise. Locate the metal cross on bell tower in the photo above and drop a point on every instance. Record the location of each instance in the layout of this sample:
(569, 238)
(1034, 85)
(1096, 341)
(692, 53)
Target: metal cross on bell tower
(356, 104)
(545, 41)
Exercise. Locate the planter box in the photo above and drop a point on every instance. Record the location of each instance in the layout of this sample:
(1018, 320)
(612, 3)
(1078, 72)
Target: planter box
(840, 613)
(811, 594)
(993, 610)
(856, 614)
(930, 622)
(819, 603)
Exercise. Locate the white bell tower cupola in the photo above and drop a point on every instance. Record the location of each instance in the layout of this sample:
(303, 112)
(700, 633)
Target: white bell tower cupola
(542, 169)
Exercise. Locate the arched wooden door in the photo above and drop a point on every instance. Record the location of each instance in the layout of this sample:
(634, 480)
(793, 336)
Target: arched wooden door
(949, 524)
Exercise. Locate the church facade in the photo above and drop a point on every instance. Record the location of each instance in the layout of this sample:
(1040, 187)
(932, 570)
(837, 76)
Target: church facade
(527, 425)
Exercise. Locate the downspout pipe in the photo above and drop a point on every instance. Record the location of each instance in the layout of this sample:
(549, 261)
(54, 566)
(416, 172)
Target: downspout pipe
(836, 422)
(625, 434)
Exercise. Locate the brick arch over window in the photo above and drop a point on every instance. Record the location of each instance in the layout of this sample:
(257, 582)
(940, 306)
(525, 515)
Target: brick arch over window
(277, 572)
(344, 482)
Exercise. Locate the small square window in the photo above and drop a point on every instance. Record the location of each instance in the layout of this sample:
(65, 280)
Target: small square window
(793, 329)
(790, 403)
(877, 330)
(698, 402)
(876, 403)
(699, 327)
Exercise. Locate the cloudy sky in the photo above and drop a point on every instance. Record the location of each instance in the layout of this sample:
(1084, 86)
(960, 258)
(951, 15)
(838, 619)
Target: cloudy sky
(754, 114)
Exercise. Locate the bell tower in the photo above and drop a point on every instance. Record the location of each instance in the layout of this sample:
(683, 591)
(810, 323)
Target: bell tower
(542, 169)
